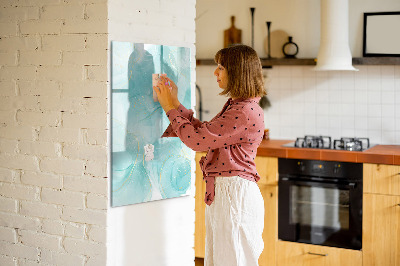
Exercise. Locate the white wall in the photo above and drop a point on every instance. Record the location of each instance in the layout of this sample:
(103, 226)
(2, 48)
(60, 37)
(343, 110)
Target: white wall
(299, 18)
(158, 232)
(53, 110)
(338, 104)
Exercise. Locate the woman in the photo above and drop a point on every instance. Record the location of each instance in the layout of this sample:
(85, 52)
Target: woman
(235, 207)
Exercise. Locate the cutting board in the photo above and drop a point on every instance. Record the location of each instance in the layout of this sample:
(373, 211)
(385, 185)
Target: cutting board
(232, 35)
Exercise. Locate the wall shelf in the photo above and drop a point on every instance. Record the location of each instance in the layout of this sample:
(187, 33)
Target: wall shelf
(312, 61)
(376, 61)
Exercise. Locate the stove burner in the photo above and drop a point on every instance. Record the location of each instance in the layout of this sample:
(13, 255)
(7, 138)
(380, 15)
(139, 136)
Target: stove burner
(351, 144)
(324, 142)
(308, 141)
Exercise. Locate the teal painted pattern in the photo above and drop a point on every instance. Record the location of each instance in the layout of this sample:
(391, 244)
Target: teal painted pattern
(138, 122)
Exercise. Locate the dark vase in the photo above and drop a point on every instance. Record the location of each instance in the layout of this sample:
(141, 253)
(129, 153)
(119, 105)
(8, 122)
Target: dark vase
(290, 49)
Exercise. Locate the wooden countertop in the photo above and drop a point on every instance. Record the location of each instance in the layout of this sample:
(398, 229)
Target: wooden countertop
(379, 154)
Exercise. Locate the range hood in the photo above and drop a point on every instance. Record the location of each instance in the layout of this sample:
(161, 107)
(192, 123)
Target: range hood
(334, 51)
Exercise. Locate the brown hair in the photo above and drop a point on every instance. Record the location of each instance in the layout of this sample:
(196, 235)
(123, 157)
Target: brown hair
(245, 78)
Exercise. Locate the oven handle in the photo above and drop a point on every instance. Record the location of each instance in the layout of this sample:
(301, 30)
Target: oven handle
(297, 181)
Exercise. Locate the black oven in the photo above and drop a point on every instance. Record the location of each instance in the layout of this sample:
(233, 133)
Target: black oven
(320, 202)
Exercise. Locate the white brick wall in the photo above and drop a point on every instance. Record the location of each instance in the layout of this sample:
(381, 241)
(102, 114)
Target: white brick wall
(54, 196)
(53, 122)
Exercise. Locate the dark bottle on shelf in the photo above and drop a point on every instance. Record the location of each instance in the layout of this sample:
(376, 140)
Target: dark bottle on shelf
(290, 49)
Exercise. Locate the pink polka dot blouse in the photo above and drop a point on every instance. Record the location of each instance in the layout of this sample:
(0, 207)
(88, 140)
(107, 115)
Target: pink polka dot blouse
(231, 139)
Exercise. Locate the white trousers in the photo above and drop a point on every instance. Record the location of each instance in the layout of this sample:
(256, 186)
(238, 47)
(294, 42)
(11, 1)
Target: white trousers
(234, 223)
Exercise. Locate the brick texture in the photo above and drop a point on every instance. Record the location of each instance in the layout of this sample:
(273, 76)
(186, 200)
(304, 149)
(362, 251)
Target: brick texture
(54, 81)
(53, 123)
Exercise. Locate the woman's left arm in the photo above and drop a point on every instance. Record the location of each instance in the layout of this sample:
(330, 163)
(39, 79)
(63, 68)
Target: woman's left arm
(226, 130)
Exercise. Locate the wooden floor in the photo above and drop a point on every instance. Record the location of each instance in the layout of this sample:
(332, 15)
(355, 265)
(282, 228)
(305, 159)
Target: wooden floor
(199, 262)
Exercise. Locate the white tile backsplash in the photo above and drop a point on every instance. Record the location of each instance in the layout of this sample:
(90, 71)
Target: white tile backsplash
(388, 97)
(322, 121)
(348, 123)
(387, 124)
(374, 110)
(361, 110)
(388, 110)
(347, 110)
(374, 83)
(322, 95)
(388, 84)
(374, 97)
(361, 124)
(387, 71)
(348, 96)
(364, 103)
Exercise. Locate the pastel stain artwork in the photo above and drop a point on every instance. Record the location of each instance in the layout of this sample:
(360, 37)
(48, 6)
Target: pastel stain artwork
(146, 167)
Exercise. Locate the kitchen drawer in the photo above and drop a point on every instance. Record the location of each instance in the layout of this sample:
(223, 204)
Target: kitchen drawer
(298, 254)
(381, 179)
(267, 168)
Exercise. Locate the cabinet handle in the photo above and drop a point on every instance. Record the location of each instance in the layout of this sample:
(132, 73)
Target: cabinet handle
(398, 204)
(318, 254)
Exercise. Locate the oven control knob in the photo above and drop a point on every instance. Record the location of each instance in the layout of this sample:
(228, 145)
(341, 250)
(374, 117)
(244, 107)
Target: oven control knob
(302, 167)
(336, 169)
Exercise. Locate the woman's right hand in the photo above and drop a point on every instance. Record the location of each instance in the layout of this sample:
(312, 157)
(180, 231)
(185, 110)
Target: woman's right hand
(174, 90)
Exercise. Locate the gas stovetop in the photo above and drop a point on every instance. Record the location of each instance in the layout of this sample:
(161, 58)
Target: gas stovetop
(325, 142)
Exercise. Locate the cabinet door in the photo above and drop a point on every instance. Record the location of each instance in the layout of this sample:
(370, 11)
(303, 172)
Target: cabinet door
(381, 230)
(270, 233)
(381, 179)
(200, 207)
(267, 168)
(297, 254)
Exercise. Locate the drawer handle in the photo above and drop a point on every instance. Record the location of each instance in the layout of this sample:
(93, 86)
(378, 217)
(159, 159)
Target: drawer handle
(318, 254)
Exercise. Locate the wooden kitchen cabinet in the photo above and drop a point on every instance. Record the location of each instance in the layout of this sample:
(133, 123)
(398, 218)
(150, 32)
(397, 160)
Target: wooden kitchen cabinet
(270, 233)
(381, 215)
(267, 168)
(381, 179)
(298, 254)
(381, 230)
(200, 207)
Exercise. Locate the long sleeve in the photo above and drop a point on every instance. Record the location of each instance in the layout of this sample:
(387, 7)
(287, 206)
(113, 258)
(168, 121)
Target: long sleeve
(188, 114)
(223, 131)
(231, 138)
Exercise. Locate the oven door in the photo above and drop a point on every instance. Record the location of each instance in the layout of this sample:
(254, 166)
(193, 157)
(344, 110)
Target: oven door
(320, 212)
